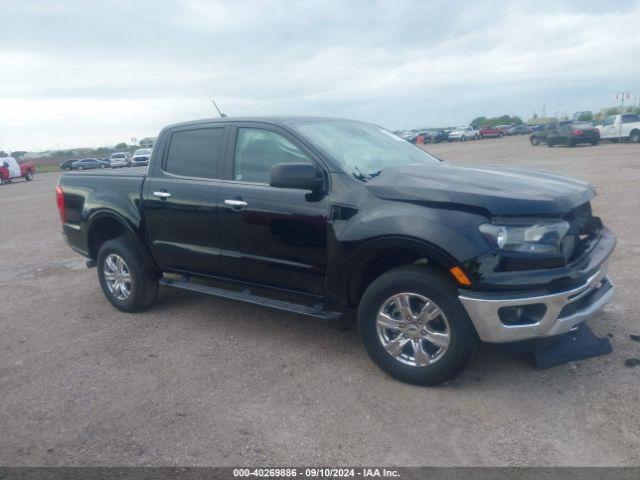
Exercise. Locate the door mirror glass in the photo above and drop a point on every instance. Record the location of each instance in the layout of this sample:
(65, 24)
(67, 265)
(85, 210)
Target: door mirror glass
(304, 176)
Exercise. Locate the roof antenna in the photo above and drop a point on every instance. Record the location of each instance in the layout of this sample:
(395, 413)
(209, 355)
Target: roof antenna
(219, 112)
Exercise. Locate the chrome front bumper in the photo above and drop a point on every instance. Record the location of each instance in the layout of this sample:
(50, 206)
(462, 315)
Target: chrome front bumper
(483, 309)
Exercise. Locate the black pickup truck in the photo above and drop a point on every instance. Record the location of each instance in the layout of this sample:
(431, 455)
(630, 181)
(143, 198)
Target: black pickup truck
(326, 216)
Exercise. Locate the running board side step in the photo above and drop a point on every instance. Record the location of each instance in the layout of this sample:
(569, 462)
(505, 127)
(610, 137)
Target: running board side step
(316, 311)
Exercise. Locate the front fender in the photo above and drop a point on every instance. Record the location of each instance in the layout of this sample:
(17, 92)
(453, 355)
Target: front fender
(447, 237)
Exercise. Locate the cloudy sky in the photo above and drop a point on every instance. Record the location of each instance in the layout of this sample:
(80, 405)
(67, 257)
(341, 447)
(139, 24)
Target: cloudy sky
(83, 73)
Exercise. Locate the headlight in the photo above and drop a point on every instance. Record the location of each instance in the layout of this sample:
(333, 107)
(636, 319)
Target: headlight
(536, 236)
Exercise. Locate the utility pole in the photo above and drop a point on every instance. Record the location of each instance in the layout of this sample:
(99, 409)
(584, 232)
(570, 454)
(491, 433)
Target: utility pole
(621, 96)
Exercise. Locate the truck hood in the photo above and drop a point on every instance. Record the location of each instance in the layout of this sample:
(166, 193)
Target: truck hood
(498, 190)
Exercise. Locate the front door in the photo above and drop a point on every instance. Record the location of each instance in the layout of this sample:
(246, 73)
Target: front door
(608, 129)
(271, 236)
(180, 200)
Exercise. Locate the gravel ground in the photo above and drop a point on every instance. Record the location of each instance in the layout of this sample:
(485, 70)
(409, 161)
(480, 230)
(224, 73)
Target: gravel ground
(202, 381)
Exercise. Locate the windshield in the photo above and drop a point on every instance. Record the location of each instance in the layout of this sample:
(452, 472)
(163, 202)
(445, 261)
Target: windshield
(142, 151)
(361, 149)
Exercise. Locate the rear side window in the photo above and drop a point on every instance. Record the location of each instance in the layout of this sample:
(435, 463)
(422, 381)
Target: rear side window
(195, 153)
(630, 118)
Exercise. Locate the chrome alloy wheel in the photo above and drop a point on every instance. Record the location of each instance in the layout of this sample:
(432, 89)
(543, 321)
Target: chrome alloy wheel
(413, 329)
(117, 276)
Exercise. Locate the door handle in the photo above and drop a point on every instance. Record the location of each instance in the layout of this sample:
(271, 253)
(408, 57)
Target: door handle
(236, 204)
(162, 194)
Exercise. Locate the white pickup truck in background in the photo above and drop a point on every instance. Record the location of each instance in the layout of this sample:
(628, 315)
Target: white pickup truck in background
(625, 126)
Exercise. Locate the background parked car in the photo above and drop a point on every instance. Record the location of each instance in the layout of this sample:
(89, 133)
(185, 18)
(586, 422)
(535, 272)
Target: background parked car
(540, 134)
(464, 133)
(440, 135)
(87, 163)
(11, 169)
(518, 130)
(120, 159)
(489, 131)
(571, 134)
(625, 126)
(66, 164)
(415, 137)
(141, 157)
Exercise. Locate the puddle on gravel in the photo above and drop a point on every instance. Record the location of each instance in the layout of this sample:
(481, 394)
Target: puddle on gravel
(15, 273)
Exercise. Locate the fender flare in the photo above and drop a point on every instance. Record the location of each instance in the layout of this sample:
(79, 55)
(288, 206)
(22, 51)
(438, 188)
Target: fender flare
(363, 254)
(137, 237)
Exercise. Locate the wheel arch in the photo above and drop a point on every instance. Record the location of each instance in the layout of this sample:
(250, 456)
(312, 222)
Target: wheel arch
(103, 226)
(378, 256)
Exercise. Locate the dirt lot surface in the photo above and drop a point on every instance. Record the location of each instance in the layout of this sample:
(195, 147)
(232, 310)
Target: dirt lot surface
(201, 381)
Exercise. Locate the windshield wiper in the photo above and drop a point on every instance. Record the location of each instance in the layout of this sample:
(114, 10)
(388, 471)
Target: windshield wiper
(358, 175)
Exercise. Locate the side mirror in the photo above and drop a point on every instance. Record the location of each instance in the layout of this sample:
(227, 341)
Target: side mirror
(303, 176)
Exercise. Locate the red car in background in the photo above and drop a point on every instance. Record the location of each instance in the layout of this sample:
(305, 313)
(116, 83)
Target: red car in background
(10, 169)
(488, 131)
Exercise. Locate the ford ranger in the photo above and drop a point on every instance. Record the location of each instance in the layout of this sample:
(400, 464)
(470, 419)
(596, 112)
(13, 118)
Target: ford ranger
(327, 216)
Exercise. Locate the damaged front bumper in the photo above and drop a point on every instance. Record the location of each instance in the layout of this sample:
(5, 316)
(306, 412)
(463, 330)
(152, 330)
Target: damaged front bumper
(501, 318)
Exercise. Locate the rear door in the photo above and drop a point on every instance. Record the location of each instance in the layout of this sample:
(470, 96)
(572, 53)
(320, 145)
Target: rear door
(627, 120)
(180, 199)
(271, 236)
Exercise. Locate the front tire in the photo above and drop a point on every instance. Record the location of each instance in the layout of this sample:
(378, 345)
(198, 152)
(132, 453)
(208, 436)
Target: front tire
(635, 136)
(534, 141)
(414, 327)
(127, 283)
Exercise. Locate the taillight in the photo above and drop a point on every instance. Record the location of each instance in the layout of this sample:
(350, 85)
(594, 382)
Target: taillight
(60, 200)
(578, 132)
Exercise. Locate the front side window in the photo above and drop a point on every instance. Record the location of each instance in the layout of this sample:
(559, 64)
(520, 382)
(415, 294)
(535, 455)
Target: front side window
(257, 151)
(195, 153)
(609, 121)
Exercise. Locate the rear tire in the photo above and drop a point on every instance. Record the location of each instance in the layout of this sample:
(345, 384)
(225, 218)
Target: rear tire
(635, 136)
(126, 281)
(594, 143)
(410, 356)
(28, 176)
(534, 141)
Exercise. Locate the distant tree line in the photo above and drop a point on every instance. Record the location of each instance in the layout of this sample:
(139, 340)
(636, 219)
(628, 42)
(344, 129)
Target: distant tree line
(494, 121)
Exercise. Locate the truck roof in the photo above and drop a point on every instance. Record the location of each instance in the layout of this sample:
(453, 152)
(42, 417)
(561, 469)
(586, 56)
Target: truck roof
(277, 120)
